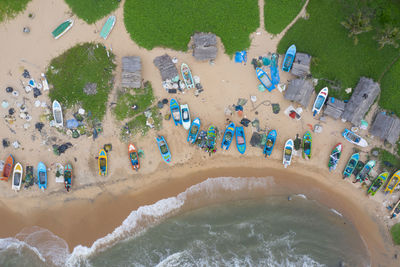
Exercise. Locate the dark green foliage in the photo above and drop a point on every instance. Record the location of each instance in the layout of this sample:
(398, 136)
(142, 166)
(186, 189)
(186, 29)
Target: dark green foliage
(71, 71)
(279, 13)
(92, 10)
(390, 84)
(10, 8)
(170, 23)
(386, 156)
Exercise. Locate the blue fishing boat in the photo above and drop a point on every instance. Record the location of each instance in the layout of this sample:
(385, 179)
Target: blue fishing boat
(240, 139)
(175, 111)
(164, 150)
(228, 136)
(274, 68)
(289, 58)
(194, 131)
(108, 26)
(351, 165)
(354, 138)
(211, 137)
(269, 145)
(319, 101)
(307, 142)
(42, 175)
(265, 79)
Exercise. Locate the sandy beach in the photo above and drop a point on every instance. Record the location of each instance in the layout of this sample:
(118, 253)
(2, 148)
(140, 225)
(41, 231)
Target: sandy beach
(97, 205)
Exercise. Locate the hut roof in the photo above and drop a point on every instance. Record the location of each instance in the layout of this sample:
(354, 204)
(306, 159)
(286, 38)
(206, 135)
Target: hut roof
(167, 67)
(334, 109)
(386, 127)
(131, 72)
(205, 46)
(301, 65)
(299, 91)
(363, 97)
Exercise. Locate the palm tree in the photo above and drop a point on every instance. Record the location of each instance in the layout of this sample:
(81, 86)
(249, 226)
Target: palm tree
(389, 35)
(356, 24)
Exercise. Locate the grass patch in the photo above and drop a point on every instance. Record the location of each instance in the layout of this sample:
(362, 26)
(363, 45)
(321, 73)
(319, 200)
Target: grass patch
(70, 72)
(279, 13)
(170, 23)
(92, 10)
(390, 84)
(10, 8)
(386, 158)
(335, 57)
(395, 231)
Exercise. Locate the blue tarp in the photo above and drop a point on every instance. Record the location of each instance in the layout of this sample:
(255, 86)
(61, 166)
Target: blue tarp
(72, 124)
(241, 56)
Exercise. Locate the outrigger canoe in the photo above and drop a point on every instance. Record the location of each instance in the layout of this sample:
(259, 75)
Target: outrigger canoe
(57, 114)
(62, 28)
(269, 145)
(108, 26)
(228, 136)
(351, 165)
(194, 131)
(185, 116)
(320, 101)
(265, 79)
(240, 139)
(335, 157)
(17, 177)
(289, 58)
(102, 161)
(354, 138)
(68, 177)
(8, 167)
(175, 111)
(133, 157)
(288, 153)
(377, 183)
(365, 171)
(164, 150)
(307, 142)
(393, 182)
(42, 175)
(211, 138)
(187, 76)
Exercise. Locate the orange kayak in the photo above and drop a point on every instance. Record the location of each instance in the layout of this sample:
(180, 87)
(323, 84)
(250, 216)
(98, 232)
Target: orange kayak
(8, 167)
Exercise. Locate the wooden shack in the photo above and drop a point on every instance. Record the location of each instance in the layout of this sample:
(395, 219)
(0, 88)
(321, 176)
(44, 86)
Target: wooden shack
(299, 91)
(334, 108)
(205, 46)
(301, 65)
(166, 67)
(386, 127)
(131, 72)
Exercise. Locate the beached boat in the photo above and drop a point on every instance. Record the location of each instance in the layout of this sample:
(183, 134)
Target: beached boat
(320, 101)
(288, 153)
(354, 138)
(394, 209)
(377, 183)
(133, 157)
(335, 157)
(351, 165)
(57, 114)
(175, 111)
(393, 182)
(185, 116)
(164, 150)
(108, 26)
(62, 28)
(269, 145)
(8, 168)
(68, 177)
(211, 138)
(307, 142)
(289, 58)
(29, 177)
(102, 162)
(42, 175)
(274, 69)
(17, 177)
(187, 76)
(228, 136)
(265, 79)
(44, 82)
(240, 139)
(362, 175)
(194, 131)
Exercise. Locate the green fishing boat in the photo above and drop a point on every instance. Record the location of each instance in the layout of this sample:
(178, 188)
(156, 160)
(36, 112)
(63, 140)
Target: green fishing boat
(377, 183)
(108, 26)
(62, 28)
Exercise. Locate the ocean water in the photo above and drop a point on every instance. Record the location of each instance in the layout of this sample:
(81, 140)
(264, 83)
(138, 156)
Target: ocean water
(262, 231)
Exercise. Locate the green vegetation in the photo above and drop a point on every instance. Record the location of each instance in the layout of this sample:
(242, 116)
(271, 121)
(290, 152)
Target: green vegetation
(70, 72)
(386, 158)
(335, 56)
(279, 13)
(390, 84)
(395, 231)
(170, 23)
(92, 10)
(10, 8)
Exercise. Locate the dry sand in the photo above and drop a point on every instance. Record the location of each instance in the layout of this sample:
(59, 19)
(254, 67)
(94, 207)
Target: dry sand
(75, 216)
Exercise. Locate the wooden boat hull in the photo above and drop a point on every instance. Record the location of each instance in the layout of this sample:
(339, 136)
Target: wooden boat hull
(194, 130)
(42, 175)
(229, 133)
(335, 157)
(365, 170)
(288, 153)
(289, 58)
(57, 114)
(175, 111)
(185, 113)
(320, 101)
(187, 76)
(377, 183)
(68, 177)
(269, 145)
(133, 157)
(351, 165)
(108, 26)
(17, 177)
(62, 28)
(240, 139)
(307, 143)
(393, 182)
(354, 138)
(8, 168)
(164, 150)
(103, 162)
(265, 79)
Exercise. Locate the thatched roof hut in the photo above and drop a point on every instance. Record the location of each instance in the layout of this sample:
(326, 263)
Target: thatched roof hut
(204, 46)
(386, 127)
(167, 67)
(301, 65)
(299, 91)
(363, 97)
(131, 72)
(334, 109)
